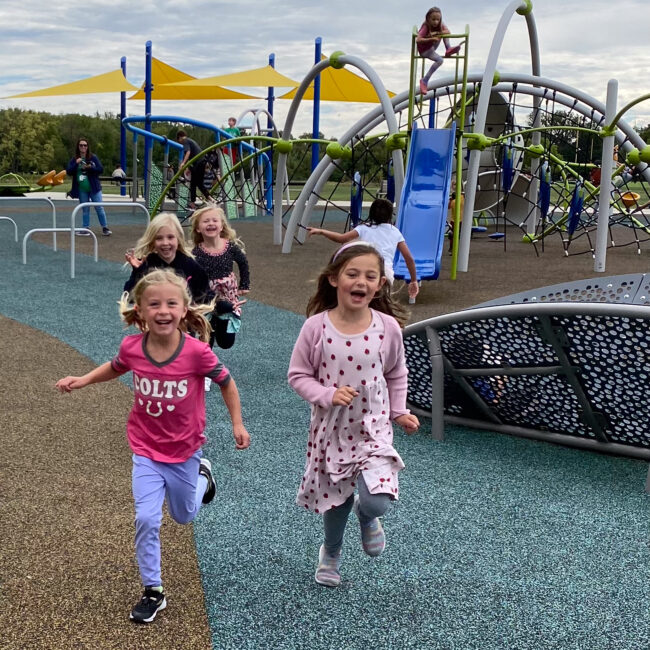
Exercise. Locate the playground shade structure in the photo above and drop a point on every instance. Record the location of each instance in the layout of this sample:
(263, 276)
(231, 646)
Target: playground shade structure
(422, 214)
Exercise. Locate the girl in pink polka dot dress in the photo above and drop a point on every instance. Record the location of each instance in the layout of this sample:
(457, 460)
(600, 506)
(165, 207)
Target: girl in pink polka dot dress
(348, 363)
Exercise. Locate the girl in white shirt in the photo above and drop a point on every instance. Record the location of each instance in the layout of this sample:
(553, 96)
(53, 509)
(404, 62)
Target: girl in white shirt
(380, 232)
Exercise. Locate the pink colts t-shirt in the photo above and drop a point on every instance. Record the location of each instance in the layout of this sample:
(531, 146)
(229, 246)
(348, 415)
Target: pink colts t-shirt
(167, 420)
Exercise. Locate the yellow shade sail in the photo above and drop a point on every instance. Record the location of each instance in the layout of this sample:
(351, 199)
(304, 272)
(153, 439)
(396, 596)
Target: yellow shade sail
(109, 82)
(258, 77)
(165, 79)
(341, 86)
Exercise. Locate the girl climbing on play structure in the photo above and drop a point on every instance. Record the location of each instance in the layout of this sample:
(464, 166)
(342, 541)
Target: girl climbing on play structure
(348, 363)
(428, 39)
(380, 232)
(216, 248)
(165, 426)
(163, 246)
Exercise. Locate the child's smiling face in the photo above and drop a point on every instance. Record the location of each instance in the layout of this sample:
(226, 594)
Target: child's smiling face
(162, 307)
(358, 282)
(166, 244)
(210, 224)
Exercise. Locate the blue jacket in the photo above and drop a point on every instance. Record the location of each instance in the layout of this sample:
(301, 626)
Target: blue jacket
(92, 173)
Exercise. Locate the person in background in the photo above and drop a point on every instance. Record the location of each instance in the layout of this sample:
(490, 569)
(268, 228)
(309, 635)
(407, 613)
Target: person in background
(384, 236)
(84, 169)
(428, 39)
(235, 133)
(197, 169)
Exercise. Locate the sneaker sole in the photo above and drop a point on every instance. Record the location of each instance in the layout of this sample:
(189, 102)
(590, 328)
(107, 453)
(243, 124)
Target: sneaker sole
(205, 468)
(151, 618)
(326, 582)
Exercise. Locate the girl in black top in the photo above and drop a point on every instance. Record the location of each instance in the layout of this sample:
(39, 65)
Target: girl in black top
(163, 245)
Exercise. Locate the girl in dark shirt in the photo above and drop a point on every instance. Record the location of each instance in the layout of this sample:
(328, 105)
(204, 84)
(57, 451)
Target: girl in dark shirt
(163, 245)
(216, 250)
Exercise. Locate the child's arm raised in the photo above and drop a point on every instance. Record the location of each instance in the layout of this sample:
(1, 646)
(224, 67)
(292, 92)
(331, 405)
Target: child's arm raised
(231, 399)
(105, 372)
(339, 238)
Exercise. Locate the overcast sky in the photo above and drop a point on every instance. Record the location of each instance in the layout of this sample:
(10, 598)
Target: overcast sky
(45, 44)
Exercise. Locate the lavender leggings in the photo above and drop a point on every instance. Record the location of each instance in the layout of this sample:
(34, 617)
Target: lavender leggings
(335, 519)
(152, 482)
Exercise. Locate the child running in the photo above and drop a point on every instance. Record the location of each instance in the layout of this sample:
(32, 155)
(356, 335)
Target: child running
(348, 362)
(428, 39)
(216, 248)
(381, 233)
(165, 426)
(163, 246)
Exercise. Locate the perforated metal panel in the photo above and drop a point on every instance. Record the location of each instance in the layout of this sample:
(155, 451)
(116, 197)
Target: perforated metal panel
(633, 289)
(570, 372)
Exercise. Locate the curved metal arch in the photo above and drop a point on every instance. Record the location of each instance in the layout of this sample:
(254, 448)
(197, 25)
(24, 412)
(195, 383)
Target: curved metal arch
(535, 86)
(481, 114)
(256, 128)
(386, 107)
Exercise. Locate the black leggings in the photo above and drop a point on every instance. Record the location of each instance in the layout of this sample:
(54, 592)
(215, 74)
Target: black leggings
(220, 334)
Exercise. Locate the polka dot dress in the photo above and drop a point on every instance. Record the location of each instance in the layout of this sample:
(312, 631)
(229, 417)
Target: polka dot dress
(346, 440)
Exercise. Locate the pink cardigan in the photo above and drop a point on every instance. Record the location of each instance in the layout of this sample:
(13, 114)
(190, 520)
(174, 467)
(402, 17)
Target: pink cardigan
(306, 358)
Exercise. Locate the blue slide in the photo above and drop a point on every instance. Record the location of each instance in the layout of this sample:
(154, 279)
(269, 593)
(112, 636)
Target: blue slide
(422, 214)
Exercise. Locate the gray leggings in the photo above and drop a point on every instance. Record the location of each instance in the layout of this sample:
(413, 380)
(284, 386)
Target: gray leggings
(335, 519)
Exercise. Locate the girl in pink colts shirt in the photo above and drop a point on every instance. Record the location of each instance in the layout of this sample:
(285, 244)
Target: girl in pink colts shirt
(348, 362)
(165, 426)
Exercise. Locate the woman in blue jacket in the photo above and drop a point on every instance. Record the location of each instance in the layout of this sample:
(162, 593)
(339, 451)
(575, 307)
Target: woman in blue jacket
(84, 169)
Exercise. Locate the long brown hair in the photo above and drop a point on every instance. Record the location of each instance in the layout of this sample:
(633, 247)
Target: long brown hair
(325, 297)
(194, 320)
(88, 153)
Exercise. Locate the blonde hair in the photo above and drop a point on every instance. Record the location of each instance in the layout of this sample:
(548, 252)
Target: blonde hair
(146, 243)
(194, 320)
(326, 298)
(227, 231)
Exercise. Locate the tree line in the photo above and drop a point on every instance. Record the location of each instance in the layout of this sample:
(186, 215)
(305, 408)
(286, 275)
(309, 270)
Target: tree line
(37, 141)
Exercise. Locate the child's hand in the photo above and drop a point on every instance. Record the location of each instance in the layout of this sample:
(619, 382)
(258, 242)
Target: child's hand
(413, 289)
(313, 231)
(238, 304)
(242, 439)
(344, 396)
(68, 384)
(132, 259)
(408, 422)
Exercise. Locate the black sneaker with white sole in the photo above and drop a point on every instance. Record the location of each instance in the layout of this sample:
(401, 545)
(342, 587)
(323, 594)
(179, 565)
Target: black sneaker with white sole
(205, 468)
(82, 233)
(107, 232)
(150, 604)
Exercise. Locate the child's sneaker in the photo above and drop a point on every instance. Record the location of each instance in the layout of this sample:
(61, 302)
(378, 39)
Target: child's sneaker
(106, 232)
(205, 468)
(327, 572)
(373, 538)
(207, 384)
(423, 87)
(82, 233)
(452, 50)
(150, 604)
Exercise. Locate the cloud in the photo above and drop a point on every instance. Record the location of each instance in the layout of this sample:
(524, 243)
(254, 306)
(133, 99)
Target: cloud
(54, 44)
